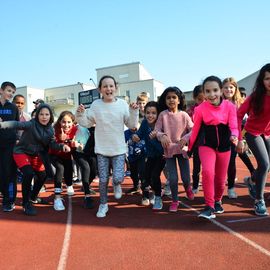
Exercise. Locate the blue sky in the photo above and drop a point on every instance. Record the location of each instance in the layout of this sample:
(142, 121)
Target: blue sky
(53, 43)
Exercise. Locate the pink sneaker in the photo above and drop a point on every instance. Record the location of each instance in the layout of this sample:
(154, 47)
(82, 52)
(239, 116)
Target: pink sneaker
(190, 194)
(174, 206)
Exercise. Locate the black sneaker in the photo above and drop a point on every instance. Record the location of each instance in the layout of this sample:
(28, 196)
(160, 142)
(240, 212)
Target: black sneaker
(133, 190)
(8, 207)
(39, 200)
(218, 208)
(208, 213)
(88, 203)
(29, 209)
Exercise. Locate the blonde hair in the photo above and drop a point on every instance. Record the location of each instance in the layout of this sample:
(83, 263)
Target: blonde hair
(142, 97)
(237, 98)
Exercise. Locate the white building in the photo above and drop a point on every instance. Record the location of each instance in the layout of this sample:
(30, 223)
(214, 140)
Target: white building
(249, 82)
(59, 98)
(132, 79)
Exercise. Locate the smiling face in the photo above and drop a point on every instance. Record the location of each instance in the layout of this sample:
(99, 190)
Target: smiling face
(66, 123)
(151, 115)
(266, 82)
(172, 101)
(228, 90)
(212, 92)
(44, 116)
(108, 90)
(7, 93)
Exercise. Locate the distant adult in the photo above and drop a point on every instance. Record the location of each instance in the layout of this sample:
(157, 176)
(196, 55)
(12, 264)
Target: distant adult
(38, 102)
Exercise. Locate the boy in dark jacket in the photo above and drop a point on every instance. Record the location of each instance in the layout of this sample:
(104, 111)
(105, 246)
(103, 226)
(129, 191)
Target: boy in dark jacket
(8, 111)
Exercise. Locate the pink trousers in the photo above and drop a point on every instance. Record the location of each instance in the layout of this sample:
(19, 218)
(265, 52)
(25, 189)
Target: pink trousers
(214, 173)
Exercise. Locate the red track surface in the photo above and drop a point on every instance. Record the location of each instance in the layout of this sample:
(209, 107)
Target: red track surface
(135, 237)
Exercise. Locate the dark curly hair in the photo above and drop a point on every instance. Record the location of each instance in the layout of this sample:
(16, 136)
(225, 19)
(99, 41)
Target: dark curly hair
(172, 89)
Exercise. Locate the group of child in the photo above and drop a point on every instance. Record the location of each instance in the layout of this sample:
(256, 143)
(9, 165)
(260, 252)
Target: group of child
(212, 132)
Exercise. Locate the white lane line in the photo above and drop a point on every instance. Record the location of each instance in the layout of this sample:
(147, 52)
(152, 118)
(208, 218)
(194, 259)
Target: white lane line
(64, 253)
(238, 235)
(246, 219)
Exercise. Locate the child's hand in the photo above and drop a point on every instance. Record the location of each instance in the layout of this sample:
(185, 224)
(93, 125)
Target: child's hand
(81, 109)
(234, 139)
(153, 134)
(165, 141)
(133, 105)
(241, 147)
(63, 136)
(74, 144)
(182, 142)
(135, 138)
(66, 148)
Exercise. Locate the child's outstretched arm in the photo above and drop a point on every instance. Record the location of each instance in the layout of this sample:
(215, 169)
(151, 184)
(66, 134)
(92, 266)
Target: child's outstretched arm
(15, 124)
(133, 116)
(84, 117)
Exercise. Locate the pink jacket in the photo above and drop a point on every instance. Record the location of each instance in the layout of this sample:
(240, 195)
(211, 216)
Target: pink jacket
(175, 126)
(210, 115)
(255, 125)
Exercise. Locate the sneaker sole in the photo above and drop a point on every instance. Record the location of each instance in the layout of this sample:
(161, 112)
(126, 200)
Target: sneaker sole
(261, 214)
(219, 212)
(207, 217)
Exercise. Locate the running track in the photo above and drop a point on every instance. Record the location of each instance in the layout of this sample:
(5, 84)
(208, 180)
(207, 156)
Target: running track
(135, 237)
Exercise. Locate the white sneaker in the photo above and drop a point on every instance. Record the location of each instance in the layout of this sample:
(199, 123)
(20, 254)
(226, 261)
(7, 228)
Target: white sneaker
(231, 193)
(117, 191)
(102, 210)
(70, 191)
(145, 201)
(196, 190)
(58, 204)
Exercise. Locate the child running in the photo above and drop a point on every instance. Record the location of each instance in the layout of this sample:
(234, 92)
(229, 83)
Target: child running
(154, 153)
(109, 114)
(215, 127)
(75, 136)
(257, 127)
(198, 97)
(31, 153)
(172, 124)
(232, 93)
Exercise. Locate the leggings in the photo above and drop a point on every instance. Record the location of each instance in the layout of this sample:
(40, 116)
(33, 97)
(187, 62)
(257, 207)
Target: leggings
(153, 169)
(214, 169)
(171, 168)
(118, 173)
(232, 167)
(87, 166)
(28, 174)
(63, 169)
(260, 147)
(196, 168)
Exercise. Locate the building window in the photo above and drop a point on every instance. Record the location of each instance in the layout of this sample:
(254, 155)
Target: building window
(122, 76)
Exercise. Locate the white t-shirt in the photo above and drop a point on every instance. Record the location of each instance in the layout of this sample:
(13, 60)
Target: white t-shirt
(109, 119)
